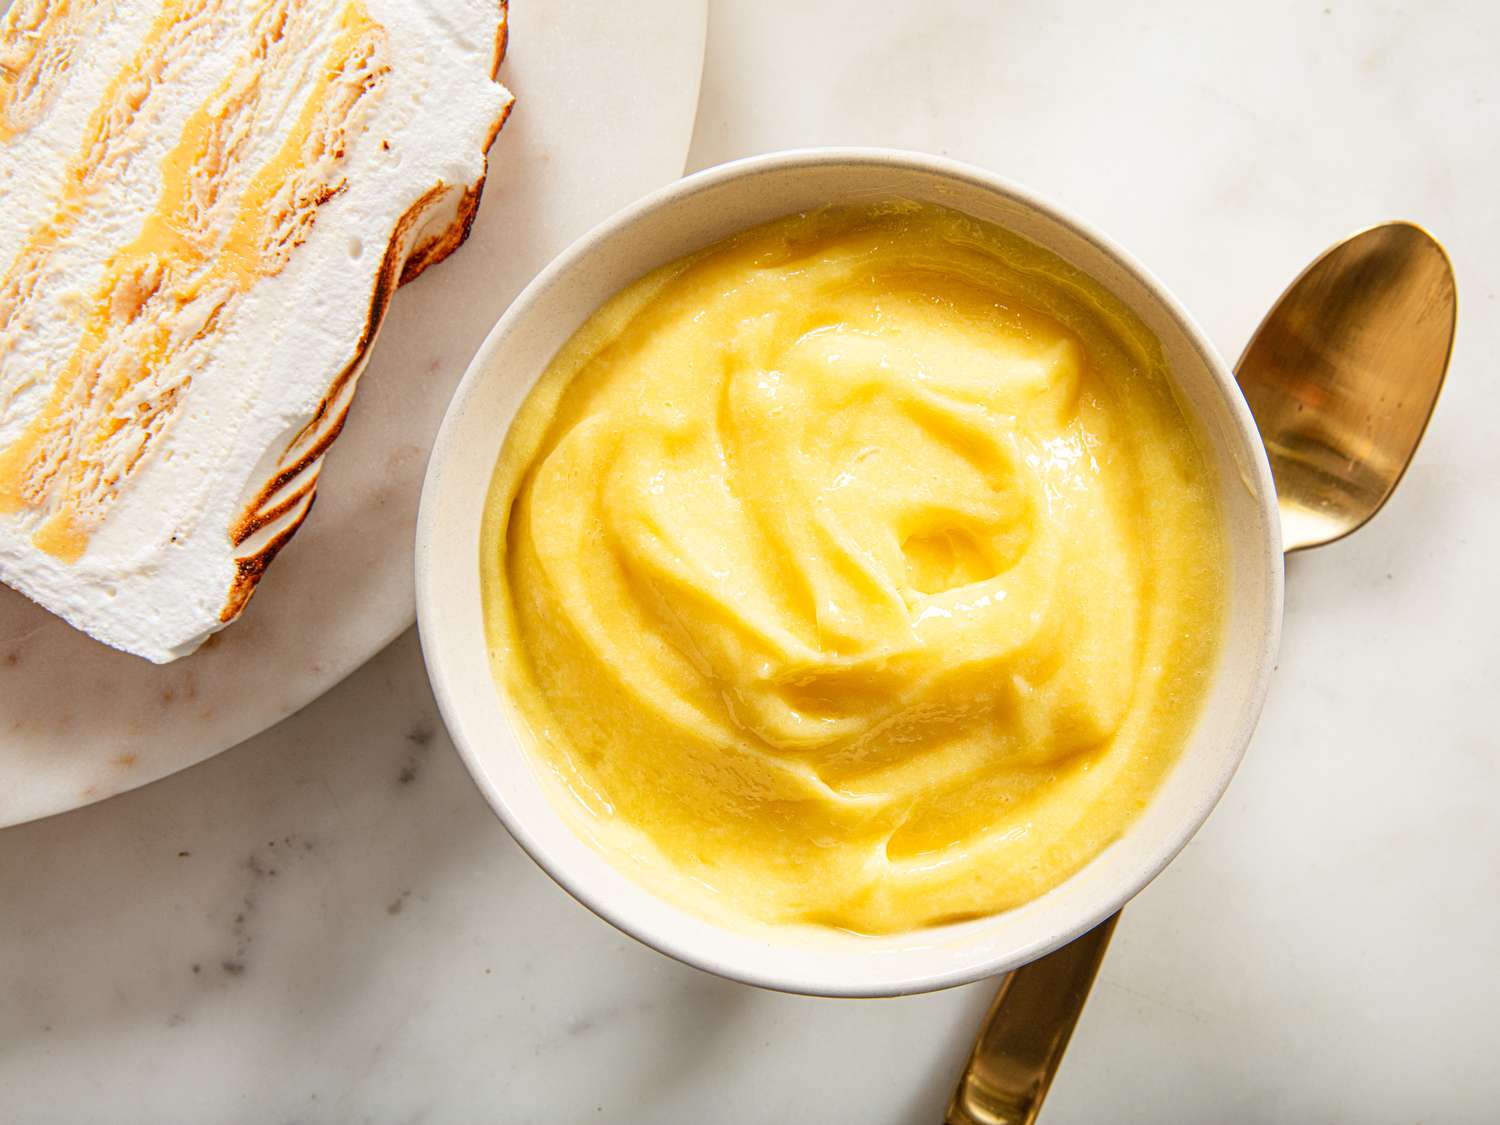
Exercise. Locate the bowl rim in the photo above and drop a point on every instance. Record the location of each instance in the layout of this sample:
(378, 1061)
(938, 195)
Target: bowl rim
(1259, 482)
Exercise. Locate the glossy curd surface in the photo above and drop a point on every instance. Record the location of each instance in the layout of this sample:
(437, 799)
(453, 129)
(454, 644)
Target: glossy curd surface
(861, 570)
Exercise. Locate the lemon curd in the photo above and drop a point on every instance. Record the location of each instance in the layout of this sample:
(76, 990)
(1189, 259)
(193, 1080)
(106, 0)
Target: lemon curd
(861, 570)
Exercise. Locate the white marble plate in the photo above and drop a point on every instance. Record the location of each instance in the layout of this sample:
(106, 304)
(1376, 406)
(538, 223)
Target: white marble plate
(606, 99)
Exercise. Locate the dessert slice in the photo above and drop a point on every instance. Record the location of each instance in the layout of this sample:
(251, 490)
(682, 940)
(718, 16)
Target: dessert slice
(207, 207)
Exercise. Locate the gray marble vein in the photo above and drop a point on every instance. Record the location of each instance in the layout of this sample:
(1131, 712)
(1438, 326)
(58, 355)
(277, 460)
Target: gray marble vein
(327, 924)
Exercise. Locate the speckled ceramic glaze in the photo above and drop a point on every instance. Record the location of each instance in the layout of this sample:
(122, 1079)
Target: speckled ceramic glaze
(682, 218)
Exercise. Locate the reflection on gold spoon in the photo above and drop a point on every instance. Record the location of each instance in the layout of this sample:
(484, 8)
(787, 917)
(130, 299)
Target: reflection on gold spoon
(1342, 376)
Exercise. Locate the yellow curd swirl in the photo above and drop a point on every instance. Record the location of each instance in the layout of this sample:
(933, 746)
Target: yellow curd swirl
(861, 570)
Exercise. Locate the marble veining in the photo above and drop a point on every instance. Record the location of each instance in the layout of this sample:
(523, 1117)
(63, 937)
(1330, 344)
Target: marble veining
(1323, 951)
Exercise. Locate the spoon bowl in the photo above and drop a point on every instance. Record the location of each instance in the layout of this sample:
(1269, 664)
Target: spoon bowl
(1343, 374)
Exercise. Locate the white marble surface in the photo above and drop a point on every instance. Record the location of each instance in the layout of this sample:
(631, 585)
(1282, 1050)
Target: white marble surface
(1325, 950)
(591, 132)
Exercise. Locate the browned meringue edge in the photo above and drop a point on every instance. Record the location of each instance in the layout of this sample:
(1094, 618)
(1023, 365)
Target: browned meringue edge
(279, 507)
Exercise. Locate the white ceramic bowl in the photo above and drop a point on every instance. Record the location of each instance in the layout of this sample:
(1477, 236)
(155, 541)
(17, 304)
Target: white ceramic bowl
(686, 216)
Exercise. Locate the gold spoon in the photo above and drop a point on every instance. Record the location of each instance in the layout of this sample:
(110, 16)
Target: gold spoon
(1342, 376)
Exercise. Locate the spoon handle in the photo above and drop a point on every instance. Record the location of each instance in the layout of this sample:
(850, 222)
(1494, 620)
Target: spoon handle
(1025, 1033)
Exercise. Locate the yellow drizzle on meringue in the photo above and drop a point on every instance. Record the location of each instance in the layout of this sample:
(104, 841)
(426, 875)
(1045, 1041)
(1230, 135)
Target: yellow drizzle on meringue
(861, 570)
(219, 227)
